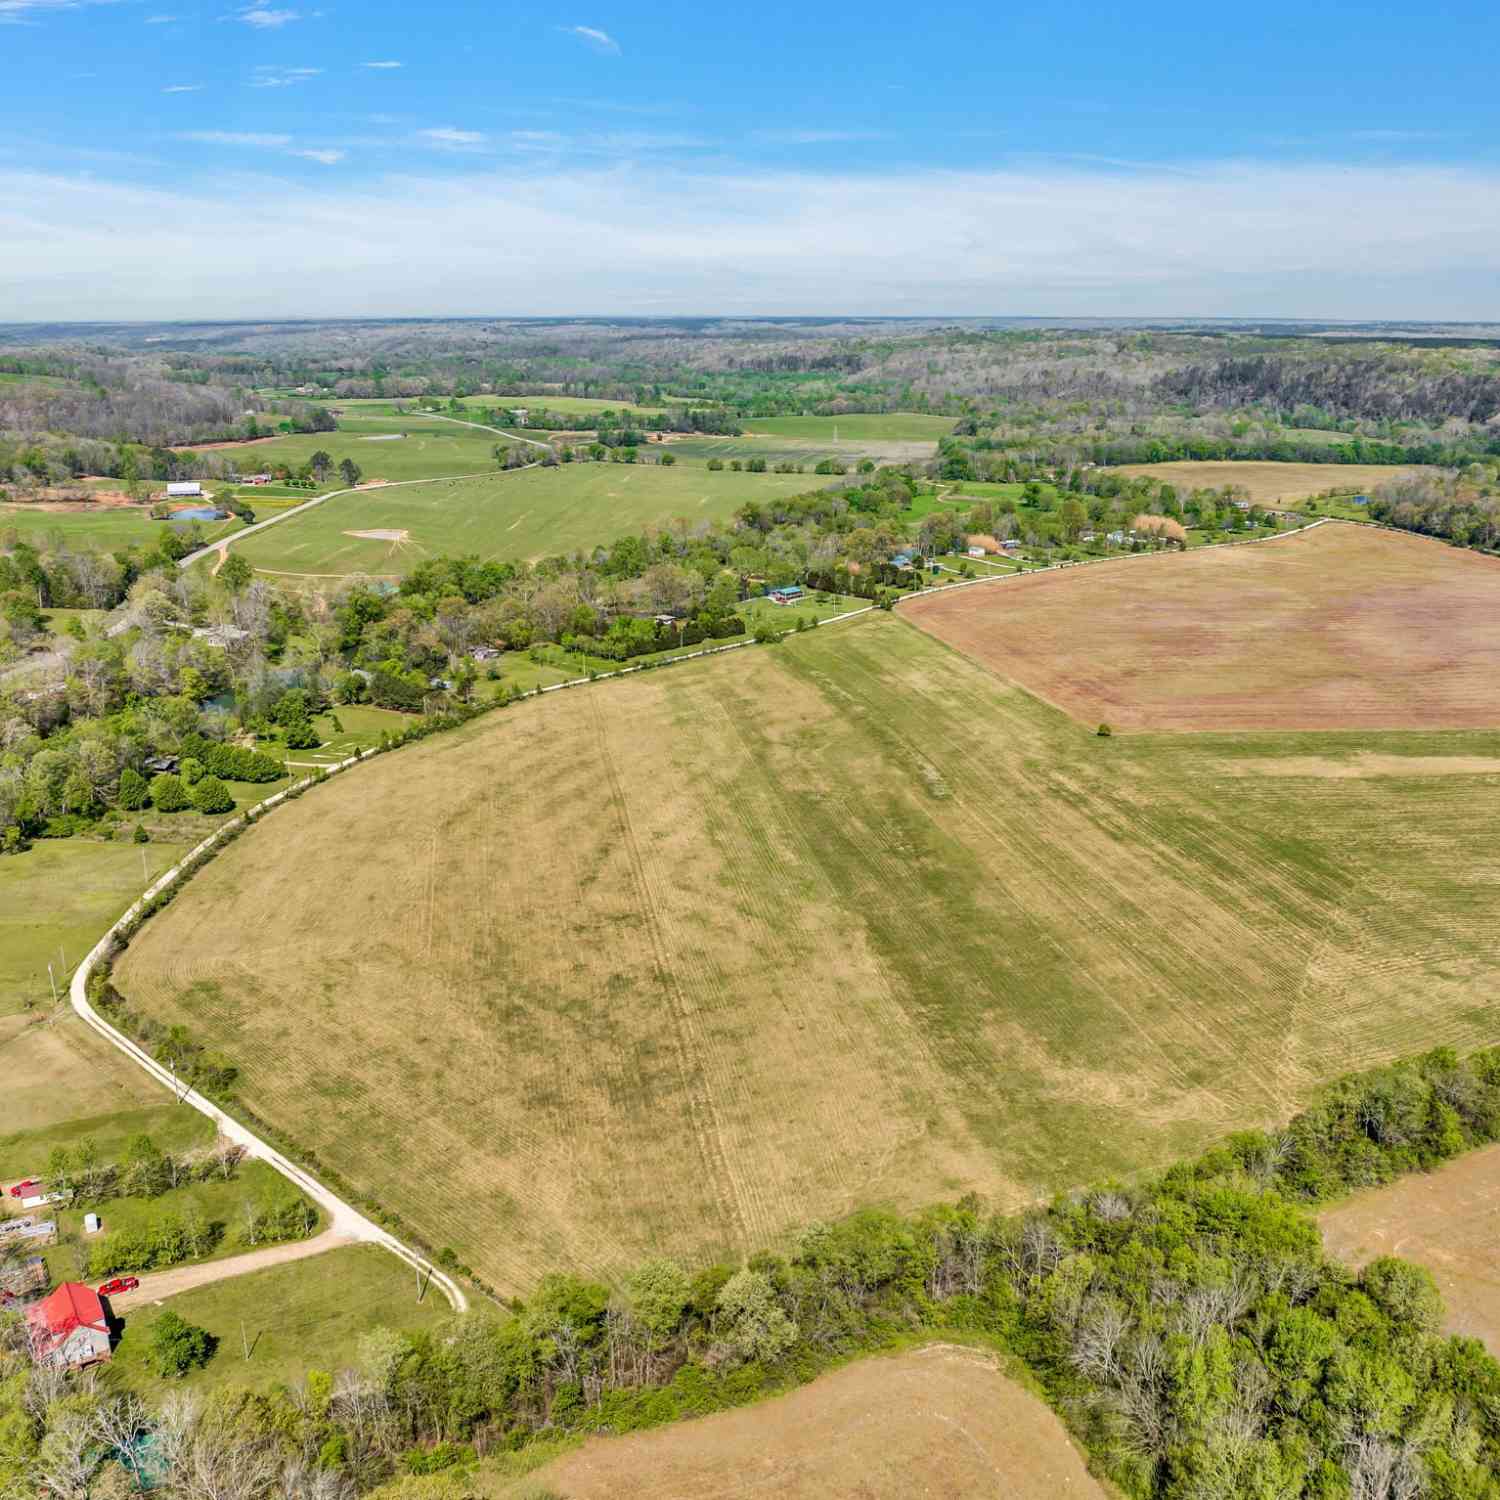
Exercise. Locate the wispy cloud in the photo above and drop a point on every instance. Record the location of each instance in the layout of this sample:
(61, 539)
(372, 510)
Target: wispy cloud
(380, 65)
(23, 12)
(600, 41)
(182, 88)
(236, 138)
(327, 156)
(795, 137)
(270, 77)
(447, 135)
(265, 19)
(1237, 238)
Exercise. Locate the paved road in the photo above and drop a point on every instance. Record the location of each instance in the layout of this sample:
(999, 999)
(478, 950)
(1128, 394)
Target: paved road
(155, 1285)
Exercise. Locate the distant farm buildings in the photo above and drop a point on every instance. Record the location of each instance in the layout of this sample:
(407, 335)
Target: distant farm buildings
(68, 1330)
(788, 593)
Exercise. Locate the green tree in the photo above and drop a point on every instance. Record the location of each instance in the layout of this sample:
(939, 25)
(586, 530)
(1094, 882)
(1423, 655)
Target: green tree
(321, 465)
(134, 793)
(177, 1346)
(236, 573)
(752, 1319)
(350, 472)
(168, 794)
(210, 795)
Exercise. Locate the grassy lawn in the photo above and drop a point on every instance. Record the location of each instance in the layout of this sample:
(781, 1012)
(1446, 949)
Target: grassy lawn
(106, 528)
(305, 1314)
(214, 1202)
(173, 1127)
(523, 514)
(579, 406)
(57, 620)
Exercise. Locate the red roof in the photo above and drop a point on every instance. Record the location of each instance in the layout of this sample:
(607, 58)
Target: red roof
(70, 1307)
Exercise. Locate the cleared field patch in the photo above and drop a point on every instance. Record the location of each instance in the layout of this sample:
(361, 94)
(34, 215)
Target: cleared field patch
(1338, 627)
(1448, 1221)
(522, 514)
(311, 1311)
(937, 1421)
(681, 961)
(1268, 483)
(856, 427)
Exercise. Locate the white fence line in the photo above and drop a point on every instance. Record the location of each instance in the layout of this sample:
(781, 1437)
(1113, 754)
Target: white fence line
(345, 1217)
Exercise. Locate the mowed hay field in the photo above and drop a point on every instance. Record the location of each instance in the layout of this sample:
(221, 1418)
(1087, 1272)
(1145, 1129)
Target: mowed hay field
(526, 513)
(1340, 626)
(1445, 1220)
(681, 961)
(1268, 483)
(937, 1421)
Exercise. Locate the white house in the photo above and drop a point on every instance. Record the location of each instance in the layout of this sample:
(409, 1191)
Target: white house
(183, 489)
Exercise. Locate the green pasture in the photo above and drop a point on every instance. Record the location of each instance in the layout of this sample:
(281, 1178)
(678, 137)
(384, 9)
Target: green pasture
(856, 427)
(522, 514)
(106, 530)
(306, 1311)
(57, 899)
(173, 1127)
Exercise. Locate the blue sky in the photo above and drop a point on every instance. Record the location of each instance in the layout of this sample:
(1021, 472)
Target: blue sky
(309, 157)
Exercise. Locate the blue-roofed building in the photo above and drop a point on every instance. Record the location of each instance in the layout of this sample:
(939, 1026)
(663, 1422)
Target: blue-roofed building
(1361, 500)
(901, 560)
(788, 593)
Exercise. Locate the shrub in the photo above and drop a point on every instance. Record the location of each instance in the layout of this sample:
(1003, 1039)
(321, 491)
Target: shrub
(191, 771)
(140, 835)
(210, 795)
(1104, 731)
(300, 735)
(168, 794)
(178, 1346)
(134, 793)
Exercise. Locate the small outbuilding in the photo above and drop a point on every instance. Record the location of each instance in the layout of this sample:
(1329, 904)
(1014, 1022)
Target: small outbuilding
(183, 489)
(790, 593)
(67, 1329)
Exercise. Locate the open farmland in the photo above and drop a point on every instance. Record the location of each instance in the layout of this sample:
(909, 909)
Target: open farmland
(521, 514)
(103, 527)
(1267, 483)
(408, 446)
(683, 960)
(1444, 1220)
(936, 1421)
(1338, 627)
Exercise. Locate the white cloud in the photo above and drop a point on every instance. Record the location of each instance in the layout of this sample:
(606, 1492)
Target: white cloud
(815, 137)
(21, 12)
(270, 77)
(235, 138)
(380, 65)
(1235, 238)
(182, 88)
(447, 135)
(264, 19)
(600, 41)
(327, 156)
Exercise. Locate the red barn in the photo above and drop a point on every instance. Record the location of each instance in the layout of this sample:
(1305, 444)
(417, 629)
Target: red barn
(68, 1328)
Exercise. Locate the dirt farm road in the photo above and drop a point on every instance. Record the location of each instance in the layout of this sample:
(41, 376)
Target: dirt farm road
(155, 1286)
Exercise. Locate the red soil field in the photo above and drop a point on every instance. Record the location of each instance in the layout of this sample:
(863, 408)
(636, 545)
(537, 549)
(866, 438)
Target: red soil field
(1339, 627)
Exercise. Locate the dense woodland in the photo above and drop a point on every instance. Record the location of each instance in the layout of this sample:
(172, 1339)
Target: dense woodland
(1189, 1329)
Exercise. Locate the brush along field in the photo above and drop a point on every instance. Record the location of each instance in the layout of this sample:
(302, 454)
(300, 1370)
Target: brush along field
(679, 962)
(937, 1421)
(1338, 627)
(1444, 1220)
(526, 513)
(1268, 483)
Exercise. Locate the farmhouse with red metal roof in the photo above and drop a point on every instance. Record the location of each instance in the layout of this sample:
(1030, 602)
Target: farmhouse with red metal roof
(68, 1328)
